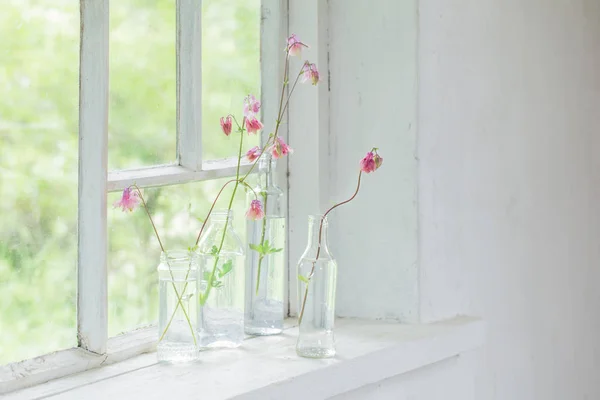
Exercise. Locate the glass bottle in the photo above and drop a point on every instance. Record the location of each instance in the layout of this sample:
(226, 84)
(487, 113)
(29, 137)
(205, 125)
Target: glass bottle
(265, 260)
(220, 284)
(177, 275)
(317, 275)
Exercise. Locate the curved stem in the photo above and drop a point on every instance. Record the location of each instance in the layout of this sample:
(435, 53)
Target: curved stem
(319, 245)
(170, 273)
(203, 298)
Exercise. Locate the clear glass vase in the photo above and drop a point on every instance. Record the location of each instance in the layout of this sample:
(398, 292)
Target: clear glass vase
(265, 257)
(317, 275)
(220, 284)
(177, 275)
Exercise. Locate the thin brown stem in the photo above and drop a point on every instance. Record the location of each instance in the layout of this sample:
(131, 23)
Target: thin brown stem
(319, 245)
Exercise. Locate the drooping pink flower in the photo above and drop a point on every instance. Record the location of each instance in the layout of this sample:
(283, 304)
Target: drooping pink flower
(371, 162)
(226, 125)
(280, 148)
(129, 200)
(310, 72)
(253, 125)
(294, 46)
(251, 106)
(253, 153)
(255, 212)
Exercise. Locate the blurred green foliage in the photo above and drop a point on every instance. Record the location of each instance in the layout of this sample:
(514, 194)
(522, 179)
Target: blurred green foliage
(39, 75)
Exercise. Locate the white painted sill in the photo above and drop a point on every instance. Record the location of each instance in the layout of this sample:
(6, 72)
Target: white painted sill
(268, 367)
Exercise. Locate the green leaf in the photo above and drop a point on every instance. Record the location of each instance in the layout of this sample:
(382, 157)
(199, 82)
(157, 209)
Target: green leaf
(217, 284)
(206, 276)
(226, 268)
(256, 247)
(214, 250)
(303, 279)
(274, 250)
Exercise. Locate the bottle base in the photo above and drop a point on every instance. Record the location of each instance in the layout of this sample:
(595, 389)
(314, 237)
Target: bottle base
(315, 352)
(176, 352)
(220, 344)
(262, 331)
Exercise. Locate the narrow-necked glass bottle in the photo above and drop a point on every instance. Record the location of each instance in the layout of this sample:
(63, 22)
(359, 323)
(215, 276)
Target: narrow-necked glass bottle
(177, 275)
(220, 284)
(265, 257)
(317, 275)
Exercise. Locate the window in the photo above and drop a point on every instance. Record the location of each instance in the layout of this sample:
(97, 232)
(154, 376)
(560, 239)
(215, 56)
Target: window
(72, 270)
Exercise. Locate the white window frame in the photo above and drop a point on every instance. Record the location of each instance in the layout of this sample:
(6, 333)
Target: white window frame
(94, 347)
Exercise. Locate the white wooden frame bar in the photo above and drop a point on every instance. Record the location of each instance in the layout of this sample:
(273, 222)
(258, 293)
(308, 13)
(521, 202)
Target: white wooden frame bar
(189, 84)
(274, 32)
(163, 175)
(92, 322)
(308, 130)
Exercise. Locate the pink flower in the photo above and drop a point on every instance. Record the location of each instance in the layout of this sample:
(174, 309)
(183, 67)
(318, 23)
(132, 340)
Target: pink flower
(251, 106)
(294, 46)
(310, 72)
(253, 125)
(226, 125)
(371, 162)
(255, 212)
(280, 148)
(253, 153)
(129, 201)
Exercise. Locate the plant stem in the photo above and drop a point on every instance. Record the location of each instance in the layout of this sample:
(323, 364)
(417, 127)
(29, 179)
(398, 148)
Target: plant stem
(262, 242)
(170, 272)
(319, 245)
(204, 298)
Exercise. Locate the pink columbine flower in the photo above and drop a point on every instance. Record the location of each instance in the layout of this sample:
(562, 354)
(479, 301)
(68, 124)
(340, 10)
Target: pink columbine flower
(255, 212)
(310, 72)
(280, 148)
(251, 106)
(226, 125)
(129, 200)
(253, 153)
(294, 46)
(253, 125)
(371, 162)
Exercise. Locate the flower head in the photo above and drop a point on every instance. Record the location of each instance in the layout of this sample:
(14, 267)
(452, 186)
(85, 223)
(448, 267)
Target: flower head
(251, 106)
(255, 212)
(371, 162)
(129, 200)
(294, 46)
(226, 125)
(279, 148)
(310, 72)
(253, 153)
(253, 125)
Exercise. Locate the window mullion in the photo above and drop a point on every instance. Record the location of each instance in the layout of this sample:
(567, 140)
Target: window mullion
(308, 129)
(92, 322)
(189, 84)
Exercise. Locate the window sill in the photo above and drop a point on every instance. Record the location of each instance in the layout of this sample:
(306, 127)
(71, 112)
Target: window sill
(267, 367)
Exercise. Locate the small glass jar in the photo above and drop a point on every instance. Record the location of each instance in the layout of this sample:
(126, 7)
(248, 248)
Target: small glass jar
(317, 276)
(265, 260)
(220, 284)
(177, 275)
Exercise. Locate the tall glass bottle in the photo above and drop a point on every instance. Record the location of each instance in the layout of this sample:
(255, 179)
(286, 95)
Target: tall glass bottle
(177, 274)
(317, 275)
(220, 284)
(265, 260)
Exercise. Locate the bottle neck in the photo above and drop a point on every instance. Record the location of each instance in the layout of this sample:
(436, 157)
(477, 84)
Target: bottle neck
(317, 233)
(221, 217)
(266, 171)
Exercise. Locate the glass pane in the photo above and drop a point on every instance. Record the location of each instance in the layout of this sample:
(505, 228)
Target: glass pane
(230, 70)
(142, 110)
(39, 61)
(134, 251)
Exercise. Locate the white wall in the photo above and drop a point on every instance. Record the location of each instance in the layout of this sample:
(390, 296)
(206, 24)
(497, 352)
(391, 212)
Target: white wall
(509, 194)
(373, 65)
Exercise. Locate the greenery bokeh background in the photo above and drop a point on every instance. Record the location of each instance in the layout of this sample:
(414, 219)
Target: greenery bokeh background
(39, 75)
